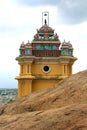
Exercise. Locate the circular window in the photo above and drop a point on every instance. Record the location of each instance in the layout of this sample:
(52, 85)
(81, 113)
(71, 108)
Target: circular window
(46, 69)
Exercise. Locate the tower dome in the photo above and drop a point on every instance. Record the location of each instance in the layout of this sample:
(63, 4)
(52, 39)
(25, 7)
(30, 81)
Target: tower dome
(22, 46)
(66, 48)
(45, 29)
(66, 45)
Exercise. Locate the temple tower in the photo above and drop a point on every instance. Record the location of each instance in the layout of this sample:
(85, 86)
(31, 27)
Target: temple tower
(44, 61)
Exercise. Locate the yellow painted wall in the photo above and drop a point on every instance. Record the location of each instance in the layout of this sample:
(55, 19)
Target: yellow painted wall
(37, 69)
(25, 69)
(56, 69)
(42, 84)
(24, 87)
(27, 86)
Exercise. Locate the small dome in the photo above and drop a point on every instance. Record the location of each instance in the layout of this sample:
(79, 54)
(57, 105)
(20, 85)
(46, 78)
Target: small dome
(69, 44)
(45, 29)
(22, 46)
(28, 45)
(66, 44)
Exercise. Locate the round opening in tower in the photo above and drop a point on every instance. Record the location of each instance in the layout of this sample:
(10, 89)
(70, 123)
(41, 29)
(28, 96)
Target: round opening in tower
(46, 69)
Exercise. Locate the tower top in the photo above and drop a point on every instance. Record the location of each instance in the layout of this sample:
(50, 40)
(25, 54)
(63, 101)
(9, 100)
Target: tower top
(45, 18)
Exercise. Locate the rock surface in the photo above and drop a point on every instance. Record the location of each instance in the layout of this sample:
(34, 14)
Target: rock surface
(63, 107)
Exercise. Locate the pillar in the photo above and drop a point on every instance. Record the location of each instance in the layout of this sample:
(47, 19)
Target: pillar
(65, 69)
(29, 69)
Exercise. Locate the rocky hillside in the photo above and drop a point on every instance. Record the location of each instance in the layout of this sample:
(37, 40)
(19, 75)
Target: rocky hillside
(63, 107)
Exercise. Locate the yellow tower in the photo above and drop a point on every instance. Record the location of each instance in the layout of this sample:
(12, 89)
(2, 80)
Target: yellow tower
(44, 61)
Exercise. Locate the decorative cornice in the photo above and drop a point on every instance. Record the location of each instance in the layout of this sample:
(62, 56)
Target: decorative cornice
(25, 59)
(51, 41)
(58, 77)
(24, 77)
(46, 60)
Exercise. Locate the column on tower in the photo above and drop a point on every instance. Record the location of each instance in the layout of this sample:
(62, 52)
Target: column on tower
(25, 69)
(28, 68)
(21, 69)
(64, 69)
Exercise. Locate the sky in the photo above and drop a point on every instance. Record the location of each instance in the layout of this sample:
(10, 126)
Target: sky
(19, 20)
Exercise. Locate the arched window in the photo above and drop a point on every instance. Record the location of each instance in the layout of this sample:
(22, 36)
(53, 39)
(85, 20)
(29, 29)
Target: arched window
(54, 47)
(27, 51)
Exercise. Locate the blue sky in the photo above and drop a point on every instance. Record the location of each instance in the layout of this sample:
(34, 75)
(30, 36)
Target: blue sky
(19, 20)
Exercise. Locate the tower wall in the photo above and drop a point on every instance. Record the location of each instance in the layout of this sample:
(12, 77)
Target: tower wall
(24, 87)
(32, 77)
(55, 70)
(43, 84)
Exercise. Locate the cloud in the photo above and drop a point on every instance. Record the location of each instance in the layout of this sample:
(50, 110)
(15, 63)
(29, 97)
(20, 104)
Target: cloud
(73, 12)
(69, 11)
(38, 2)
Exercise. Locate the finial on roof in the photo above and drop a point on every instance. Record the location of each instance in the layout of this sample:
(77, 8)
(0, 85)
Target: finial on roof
(45, 14)
(64, 41)
(22, 42)
(45, 18)
(45, 21)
